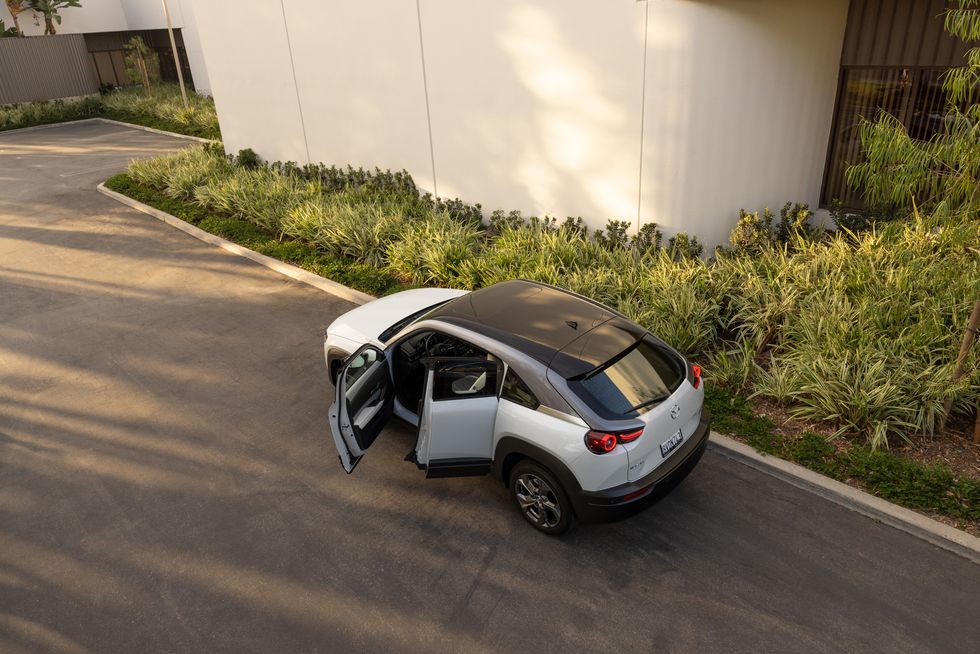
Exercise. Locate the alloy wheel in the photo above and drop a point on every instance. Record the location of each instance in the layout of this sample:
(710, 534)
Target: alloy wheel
(538, 500)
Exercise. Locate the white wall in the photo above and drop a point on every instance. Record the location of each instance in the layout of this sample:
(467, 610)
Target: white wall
(248, 62)
(92, 16)
(740, 99)
(124, 15)
(183, 10)
(536, 105)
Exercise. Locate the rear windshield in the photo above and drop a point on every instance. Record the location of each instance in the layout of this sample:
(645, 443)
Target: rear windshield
(633, 382)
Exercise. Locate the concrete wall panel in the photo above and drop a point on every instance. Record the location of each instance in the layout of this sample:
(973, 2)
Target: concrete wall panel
(536, 105)
(247, 56)
(359, 71)
(740, 99)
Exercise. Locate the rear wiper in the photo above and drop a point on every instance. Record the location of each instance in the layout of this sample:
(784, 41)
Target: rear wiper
(656, 400)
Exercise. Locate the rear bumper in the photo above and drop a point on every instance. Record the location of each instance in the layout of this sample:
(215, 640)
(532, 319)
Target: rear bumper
(627, 499)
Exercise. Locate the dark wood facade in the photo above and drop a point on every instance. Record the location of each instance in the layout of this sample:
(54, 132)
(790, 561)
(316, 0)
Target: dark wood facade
(107, 52)
(893, 58)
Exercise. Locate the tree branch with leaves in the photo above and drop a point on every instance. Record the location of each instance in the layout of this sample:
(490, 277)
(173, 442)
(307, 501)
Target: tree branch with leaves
(142, 63)
(17, 7)
(941, 175)
(50, 9)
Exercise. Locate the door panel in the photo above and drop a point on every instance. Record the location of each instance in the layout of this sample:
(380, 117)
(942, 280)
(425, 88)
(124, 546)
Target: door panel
(458, 414)
(363, 404)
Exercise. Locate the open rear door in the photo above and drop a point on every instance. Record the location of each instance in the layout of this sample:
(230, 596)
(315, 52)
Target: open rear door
(363, 404)
(459, 409)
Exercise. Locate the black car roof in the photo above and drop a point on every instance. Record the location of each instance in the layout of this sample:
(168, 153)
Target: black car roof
(565, 331)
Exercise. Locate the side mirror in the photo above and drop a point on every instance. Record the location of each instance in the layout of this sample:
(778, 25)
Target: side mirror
(365, 358)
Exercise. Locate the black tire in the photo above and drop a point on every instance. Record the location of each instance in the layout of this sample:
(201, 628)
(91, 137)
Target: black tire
(540, 498)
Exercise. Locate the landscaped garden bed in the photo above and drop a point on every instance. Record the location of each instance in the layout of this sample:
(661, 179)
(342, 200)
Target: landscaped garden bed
(163, 109)
(850, 337)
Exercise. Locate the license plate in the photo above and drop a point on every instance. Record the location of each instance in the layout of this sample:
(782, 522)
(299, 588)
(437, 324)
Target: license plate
(671, 443)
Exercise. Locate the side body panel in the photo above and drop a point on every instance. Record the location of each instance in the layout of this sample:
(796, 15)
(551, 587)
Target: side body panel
(561, 439)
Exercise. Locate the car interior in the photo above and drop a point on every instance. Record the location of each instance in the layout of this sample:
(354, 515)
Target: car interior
(408, 367)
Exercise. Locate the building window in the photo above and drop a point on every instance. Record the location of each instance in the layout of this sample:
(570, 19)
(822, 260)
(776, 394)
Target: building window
(914, 96)
(893, 58)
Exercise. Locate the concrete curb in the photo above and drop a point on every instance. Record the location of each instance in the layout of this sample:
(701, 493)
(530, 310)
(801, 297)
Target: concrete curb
(934, 532)
(153, 130)
(107, 121)
(286, 269)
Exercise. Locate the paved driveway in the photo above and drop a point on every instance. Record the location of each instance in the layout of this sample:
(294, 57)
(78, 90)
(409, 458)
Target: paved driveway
(166, 483)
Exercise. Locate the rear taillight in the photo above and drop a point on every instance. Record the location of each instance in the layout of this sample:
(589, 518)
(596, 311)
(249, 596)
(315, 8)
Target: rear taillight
(695, 375)
(601, 442)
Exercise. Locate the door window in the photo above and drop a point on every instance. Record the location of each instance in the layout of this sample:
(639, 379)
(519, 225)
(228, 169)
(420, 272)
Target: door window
(515, 390)
(456, 380)
(410, 355)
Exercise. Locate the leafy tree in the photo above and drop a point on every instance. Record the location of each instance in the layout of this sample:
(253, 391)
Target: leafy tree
(16, 7)
(49, 9)
(142, 63)
(962, 83)
(941, 175)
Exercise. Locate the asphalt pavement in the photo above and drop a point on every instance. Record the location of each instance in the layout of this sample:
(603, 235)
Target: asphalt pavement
(167, 483)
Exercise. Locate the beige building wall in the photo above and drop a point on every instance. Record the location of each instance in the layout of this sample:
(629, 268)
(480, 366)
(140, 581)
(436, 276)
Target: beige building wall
(539, 105)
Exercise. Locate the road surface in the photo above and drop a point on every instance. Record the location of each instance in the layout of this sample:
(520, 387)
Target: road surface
(167, 482)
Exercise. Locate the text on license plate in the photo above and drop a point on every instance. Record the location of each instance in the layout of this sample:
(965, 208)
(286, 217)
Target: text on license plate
(671, 443)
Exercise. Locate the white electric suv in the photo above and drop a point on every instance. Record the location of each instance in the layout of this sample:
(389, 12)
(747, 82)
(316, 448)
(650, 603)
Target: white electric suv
(579, 411)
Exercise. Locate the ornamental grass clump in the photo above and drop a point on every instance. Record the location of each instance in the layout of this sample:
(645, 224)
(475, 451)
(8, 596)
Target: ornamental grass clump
(437, 251)
(27, 114)
(164, 108)
(361, 231)
(860, 332)
(179, 174)
(259, 195)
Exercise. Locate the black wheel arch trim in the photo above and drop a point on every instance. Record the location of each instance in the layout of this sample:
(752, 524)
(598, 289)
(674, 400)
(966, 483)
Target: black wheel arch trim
(509, 445)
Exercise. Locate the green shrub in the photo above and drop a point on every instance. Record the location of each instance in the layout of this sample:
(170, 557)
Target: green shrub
(163, 110)
(731, 369)
(682, 246)
(648, 239)
(794, 223)
(181, 173)
(752, 233)
(247, 158)
(616, 235)
(260, 195)
(843, 219)
(29, 114)
(864, 329)
(438, 251)
(356, 230)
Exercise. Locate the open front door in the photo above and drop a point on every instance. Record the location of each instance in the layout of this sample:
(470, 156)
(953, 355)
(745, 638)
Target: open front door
(363, 403)
(459, 409)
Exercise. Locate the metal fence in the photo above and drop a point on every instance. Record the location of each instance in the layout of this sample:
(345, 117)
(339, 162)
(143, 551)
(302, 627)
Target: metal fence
(45, 68)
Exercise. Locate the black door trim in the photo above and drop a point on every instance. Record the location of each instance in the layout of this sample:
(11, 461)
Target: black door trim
(463, 467)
